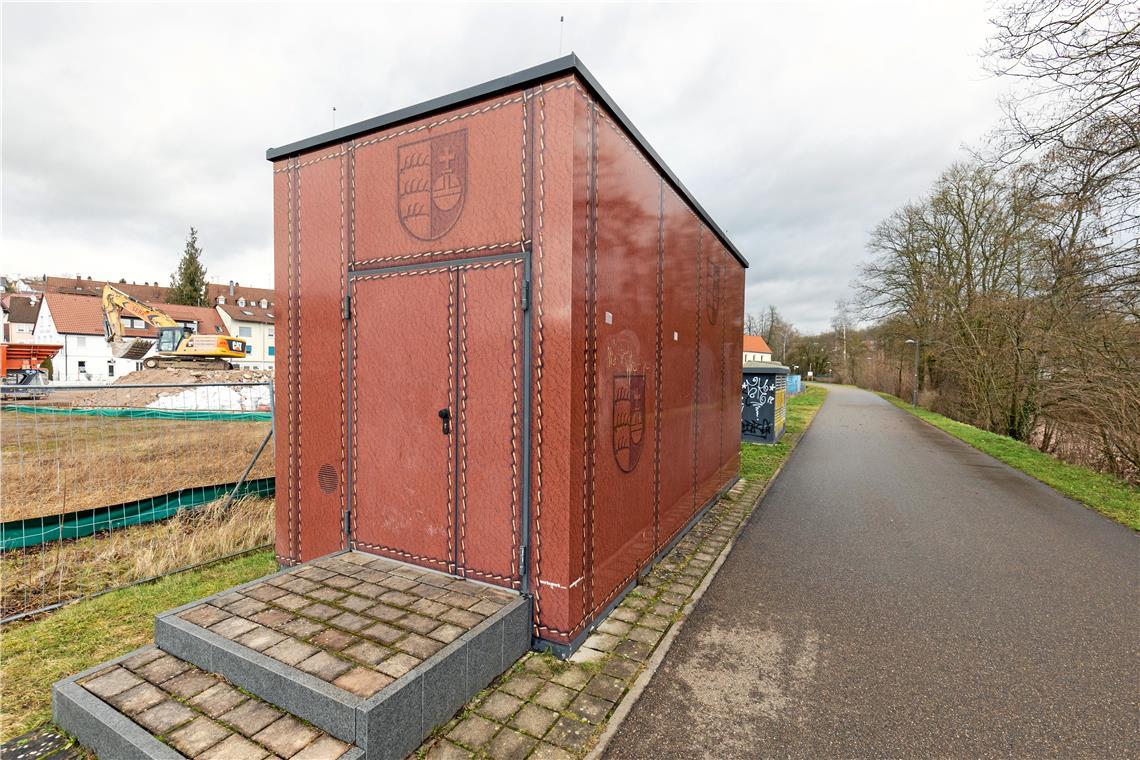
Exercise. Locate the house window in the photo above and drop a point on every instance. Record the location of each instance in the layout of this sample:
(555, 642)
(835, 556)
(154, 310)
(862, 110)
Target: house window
(264, 303)
(80, 342)
(221, 300)
(111, 368)
(241, 302)
(245, 332)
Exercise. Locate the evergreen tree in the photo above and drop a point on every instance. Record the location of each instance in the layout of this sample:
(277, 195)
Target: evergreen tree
(188, 283)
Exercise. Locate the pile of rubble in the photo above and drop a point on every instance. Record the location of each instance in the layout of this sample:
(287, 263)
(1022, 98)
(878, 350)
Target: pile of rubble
(122, 394)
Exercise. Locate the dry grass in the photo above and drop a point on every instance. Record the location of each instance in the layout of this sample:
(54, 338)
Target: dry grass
(36, 653)
(32, 578)
(54, 464)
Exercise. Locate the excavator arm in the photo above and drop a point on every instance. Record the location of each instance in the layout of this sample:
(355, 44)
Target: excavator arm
(176, 346)
(115, 304)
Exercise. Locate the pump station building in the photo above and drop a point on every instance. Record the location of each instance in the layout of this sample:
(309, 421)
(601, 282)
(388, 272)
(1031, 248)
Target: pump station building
(509, 344)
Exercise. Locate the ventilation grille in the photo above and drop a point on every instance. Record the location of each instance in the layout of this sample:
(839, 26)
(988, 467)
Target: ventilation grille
(326, 478)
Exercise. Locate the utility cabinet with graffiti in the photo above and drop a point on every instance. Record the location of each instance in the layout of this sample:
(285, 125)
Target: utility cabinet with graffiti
(509, 345)
(763, 393)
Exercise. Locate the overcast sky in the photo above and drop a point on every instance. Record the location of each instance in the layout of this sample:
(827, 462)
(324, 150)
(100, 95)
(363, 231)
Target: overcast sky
(798, 126)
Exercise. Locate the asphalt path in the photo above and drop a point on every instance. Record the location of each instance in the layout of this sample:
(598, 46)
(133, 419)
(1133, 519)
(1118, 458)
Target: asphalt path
(900, 594)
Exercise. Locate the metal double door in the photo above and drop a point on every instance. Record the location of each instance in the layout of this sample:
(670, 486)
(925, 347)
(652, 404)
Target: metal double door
(437, 380)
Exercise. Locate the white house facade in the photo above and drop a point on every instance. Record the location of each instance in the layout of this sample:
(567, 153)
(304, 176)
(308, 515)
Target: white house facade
(76, 322)
(248, 316)
(84, 358)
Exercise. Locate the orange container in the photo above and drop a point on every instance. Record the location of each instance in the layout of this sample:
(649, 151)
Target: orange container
(509, 344)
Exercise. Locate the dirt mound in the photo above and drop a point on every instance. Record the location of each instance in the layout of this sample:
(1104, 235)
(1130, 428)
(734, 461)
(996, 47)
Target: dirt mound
(122, 394)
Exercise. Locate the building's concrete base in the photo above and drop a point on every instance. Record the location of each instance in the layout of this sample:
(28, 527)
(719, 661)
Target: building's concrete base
(373, 653)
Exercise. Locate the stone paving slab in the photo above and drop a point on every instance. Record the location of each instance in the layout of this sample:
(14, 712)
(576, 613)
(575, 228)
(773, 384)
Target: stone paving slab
(354, 620)
(546, 708)
(150, 704)
(373, 651)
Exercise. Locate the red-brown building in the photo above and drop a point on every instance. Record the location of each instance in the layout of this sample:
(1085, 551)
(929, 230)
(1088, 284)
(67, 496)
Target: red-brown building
(509, 344)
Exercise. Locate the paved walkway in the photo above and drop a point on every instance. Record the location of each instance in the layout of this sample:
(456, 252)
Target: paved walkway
(900, 594)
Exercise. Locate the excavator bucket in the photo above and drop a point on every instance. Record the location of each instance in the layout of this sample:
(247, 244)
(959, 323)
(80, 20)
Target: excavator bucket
(135, 349)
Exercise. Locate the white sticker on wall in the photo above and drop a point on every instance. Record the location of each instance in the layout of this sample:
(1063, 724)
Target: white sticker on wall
(609, 318)
(674, 335)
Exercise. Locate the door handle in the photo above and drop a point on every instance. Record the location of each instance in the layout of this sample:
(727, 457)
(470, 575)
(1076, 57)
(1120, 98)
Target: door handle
(445, 417)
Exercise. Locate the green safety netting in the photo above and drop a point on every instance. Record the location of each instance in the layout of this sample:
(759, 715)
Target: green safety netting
(150, 414)
(19, 534)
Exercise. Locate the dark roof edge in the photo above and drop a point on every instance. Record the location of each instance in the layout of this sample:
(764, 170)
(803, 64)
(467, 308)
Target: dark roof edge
(565, 65)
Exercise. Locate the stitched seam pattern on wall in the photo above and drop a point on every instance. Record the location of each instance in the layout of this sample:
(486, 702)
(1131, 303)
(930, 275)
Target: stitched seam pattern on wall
(516, 491)
(452, 401)
(297, 378)
(461, 404)
(350, 289)
(659, 361)
(343, 346)
(291, 453)
(697, 368)
(520, 244)
(594, 358)
(407, 555)
(418, 272)
(539, 363)
(441, 122)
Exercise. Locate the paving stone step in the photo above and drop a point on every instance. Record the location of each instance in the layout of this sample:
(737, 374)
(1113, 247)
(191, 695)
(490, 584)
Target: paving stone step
(375, 652)
(150, 704)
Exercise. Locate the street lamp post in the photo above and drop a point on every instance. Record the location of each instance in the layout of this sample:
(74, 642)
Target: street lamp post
(914, 394)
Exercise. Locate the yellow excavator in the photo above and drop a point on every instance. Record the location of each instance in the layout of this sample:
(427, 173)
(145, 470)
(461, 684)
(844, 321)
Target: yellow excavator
(177, 345)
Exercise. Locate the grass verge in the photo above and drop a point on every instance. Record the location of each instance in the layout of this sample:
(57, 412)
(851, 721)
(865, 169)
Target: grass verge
(1110, 496)
(35, 654)
(760, 462)
(42, 575)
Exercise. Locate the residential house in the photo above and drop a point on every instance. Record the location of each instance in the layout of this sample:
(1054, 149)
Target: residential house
(76, 322)
(20, 313)
(756, 349)
(247, 313)
(86, 286)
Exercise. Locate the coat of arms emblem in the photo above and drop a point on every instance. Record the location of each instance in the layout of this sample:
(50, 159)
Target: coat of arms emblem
(431, 184)
(712, 287)
(628, 419)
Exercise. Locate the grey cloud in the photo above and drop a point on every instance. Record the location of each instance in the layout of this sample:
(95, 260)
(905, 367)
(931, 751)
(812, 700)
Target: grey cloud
(797, 126)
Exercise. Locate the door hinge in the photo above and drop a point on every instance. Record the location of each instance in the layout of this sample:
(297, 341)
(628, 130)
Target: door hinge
(348, 307)
(526, 296)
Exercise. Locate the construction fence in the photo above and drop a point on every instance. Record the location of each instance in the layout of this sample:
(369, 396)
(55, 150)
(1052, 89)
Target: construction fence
(106, 486)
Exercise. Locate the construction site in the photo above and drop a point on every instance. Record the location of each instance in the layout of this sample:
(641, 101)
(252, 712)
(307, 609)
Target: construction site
(106, 485)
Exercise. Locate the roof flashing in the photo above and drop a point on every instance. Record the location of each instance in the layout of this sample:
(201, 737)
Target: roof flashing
(568, 64)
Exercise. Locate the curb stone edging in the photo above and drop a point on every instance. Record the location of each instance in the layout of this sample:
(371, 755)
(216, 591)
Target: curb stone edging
(639, 685)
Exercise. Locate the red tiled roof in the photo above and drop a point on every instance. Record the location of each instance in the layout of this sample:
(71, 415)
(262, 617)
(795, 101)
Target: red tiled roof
(248, 313)
(755, 344)
(156, 293)
(83, 315)
(78, 286)
(251, 295)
